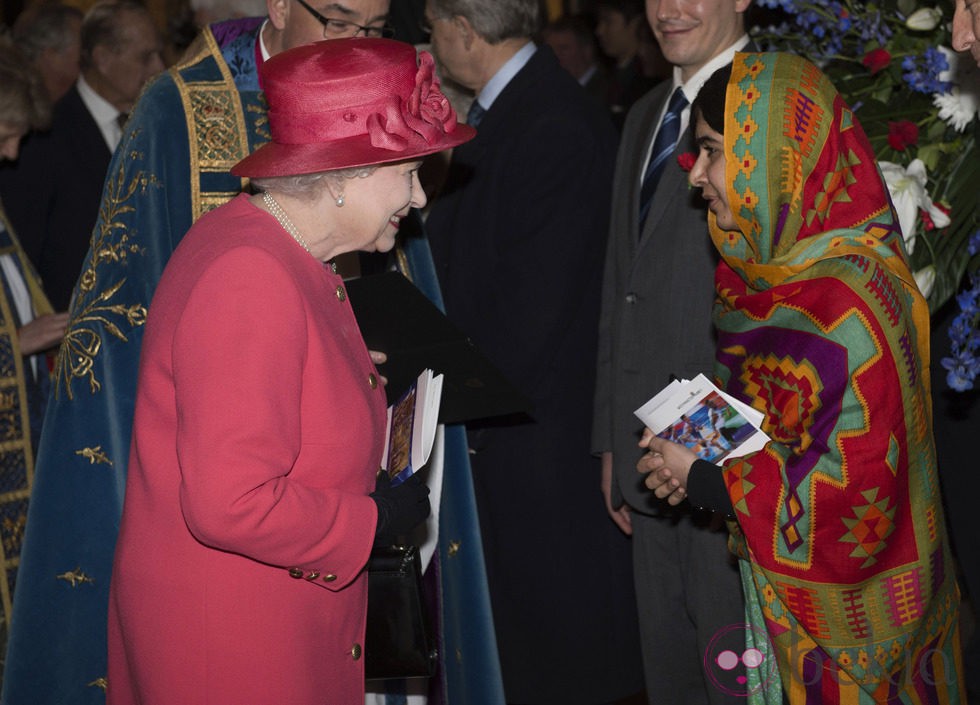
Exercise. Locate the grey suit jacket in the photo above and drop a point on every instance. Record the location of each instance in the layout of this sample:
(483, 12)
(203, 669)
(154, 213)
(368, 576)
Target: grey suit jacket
(658, 293)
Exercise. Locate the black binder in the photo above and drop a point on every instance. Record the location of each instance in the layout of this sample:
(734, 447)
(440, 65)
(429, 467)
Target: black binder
(400, 321)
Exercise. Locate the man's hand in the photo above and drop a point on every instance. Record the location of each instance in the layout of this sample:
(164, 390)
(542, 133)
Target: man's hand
(42, 333)
(620, 516)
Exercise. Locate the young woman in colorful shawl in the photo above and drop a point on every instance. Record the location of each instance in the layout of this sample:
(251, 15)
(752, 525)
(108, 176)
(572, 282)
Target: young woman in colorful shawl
(838, 520)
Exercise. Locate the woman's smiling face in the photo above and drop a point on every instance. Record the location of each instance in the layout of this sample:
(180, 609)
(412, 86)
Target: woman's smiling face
(375, 204)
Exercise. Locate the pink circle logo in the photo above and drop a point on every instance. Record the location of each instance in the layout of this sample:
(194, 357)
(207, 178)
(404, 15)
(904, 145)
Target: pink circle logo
(729, 661)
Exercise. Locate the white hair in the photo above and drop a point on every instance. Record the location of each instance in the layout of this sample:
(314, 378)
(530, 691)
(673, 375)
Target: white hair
(307, 186)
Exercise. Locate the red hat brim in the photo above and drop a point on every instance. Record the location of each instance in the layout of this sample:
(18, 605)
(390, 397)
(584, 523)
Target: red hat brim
(274, 159)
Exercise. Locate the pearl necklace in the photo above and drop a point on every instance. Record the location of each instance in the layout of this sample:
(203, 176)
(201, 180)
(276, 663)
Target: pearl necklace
(279, 214)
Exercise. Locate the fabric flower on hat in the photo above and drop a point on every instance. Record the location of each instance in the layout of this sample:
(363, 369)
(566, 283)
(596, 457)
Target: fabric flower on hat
(908, 191)
(427, 101)
(425, 115)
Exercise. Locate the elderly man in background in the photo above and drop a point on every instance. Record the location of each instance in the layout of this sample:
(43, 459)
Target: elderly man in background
(517, 236)
(55, 187)
(190, 126)
(49, 35)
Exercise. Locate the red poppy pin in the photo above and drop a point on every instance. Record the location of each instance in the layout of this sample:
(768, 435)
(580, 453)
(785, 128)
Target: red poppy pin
(686, 160)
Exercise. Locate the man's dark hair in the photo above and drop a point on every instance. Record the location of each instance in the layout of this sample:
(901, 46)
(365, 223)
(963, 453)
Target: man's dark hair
(577, 25)
(627, 8)
(103, 26)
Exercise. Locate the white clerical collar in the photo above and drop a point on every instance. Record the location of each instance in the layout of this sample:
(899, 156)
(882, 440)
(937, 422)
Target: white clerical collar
(496, 85)
(262, 48)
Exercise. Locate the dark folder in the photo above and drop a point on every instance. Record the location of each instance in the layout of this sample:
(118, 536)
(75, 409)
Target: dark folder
(400, 321)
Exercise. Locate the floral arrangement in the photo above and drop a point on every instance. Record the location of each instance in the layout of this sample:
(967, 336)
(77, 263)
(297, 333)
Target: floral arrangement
(918, 102)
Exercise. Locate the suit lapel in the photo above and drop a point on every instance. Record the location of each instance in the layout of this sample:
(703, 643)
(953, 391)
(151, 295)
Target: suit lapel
(90, 141)
(669, 192)
(641, 148)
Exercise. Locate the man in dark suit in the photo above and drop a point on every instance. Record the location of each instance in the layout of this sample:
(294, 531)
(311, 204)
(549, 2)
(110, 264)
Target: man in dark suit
(518, 236)
(52, 194)
(573, 41)
(618, 29)
(656, 323)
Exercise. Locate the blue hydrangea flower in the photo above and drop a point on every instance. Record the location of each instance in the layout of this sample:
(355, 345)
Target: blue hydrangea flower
(922, 72)
(973, 245)
(963, 365)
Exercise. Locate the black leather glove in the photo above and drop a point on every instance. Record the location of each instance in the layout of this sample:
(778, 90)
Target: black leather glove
(400, 508)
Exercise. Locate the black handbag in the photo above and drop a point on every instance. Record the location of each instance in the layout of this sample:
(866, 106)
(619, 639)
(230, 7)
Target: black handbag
(399, 641)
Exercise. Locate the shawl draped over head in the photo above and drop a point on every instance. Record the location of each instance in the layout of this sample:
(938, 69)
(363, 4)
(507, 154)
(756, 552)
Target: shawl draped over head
(821, 327)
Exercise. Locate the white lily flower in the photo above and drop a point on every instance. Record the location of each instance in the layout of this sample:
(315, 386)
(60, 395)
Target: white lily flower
(907, 187)
(925, 279)
(925, 19)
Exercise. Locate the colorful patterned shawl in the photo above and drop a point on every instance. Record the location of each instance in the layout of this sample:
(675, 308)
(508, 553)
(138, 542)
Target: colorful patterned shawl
(821, 327)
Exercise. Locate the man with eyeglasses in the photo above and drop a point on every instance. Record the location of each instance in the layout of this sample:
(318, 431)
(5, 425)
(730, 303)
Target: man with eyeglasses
(189, 127)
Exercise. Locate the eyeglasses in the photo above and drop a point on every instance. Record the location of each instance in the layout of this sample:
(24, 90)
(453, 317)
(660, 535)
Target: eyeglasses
(333, 28)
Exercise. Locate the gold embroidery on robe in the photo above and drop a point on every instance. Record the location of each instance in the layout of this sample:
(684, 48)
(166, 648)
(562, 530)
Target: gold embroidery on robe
(215, 125)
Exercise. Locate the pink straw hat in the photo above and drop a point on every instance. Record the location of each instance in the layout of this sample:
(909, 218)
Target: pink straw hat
(351, 102)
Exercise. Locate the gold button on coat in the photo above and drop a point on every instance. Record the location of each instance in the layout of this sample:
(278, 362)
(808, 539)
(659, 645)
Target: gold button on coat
(341, 294)
(373, 381)
(355, 651)
(329, 578)
(296, 573)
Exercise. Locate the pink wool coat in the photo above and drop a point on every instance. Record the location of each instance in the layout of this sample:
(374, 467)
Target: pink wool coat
(246, 525)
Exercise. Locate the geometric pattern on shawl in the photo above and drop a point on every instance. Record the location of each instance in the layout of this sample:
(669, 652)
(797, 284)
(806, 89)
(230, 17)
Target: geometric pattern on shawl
(822, 329)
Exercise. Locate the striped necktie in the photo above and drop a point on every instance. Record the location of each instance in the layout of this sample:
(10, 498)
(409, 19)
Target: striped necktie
(663, 147)
(475, 114)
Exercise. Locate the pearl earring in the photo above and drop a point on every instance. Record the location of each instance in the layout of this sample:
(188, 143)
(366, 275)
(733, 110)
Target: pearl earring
(340, 201)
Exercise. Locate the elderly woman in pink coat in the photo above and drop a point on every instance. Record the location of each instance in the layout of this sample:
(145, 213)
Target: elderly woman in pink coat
(251, 502)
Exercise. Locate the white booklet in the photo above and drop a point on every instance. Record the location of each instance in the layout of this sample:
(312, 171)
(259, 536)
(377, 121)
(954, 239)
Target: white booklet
(411, 430)
(704, 418)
